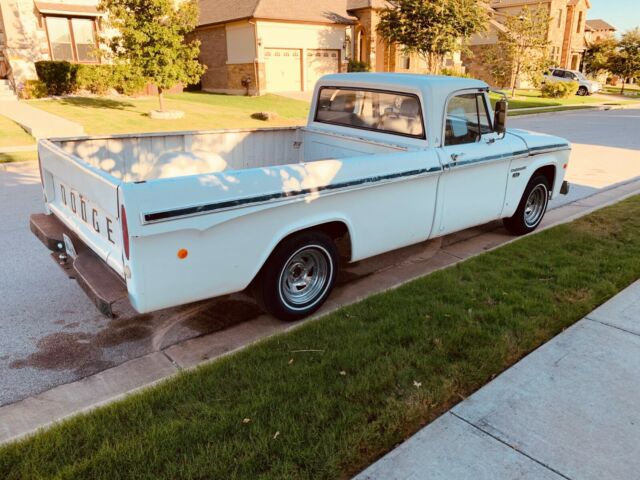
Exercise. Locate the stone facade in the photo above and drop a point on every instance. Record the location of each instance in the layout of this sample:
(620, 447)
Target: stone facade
(566, 33)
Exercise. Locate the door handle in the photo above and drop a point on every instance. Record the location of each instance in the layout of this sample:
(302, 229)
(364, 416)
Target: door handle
(455, 157)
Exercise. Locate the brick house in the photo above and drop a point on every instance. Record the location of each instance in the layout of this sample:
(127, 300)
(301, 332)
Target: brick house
(286, 45)
(566, 32)
(597, 29)
(32, 30)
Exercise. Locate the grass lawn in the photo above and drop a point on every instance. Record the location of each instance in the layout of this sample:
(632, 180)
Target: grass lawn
(534, 98)
(550, 110)
(101, 115)
(327, 399)
(629, 90)
(18, 156)
(12, 134)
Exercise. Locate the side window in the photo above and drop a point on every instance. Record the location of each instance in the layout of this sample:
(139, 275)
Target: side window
(467, 119)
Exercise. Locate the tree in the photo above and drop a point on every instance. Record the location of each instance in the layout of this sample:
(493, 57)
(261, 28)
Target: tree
(150, 40)
(523, 46)
(625, 62)
(431, 29)
(596, 58)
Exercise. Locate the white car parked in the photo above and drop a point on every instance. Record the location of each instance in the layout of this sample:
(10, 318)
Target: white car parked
(385, 161)
(585, 86)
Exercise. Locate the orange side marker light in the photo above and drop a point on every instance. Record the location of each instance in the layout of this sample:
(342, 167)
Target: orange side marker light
(182, 253)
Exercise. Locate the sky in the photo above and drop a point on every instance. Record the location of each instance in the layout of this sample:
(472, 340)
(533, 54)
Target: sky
(622, 14)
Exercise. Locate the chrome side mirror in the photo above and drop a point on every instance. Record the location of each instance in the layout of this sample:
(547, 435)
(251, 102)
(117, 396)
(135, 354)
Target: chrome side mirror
(500, 116)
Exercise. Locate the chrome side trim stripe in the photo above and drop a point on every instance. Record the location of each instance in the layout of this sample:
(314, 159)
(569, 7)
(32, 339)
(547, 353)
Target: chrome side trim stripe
(160, 216)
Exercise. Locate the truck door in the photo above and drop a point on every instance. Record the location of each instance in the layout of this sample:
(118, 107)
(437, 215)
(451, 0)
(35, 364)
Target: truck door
(476, 165)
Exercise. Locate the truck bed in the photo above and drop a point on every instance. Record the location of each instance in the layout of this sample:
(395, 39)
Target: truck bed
(137, 158)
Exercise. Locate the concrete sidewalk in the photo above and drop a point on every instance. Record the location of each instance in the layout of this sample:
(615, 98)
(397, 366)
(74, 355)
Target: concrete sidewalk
(569, 410)
(38, 123)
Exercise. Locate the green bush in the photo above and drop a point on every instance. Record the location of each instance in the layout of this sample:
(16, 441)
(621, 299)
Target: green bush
(356, 66)
(96, 79)
(559, 89)
(59, 77)
(32, 89)
(126, 80)
(452, 72)
(62, 78)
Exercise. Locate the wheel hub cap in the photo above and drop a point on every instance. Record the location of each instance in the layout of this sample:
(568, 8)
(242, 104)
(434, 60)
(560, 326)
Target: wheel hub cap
(535, 206)
(304, 276)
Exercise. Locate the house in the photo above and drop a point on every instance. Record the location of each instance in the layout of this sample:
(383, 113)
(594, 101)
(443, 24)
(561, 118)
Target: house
(32, 30)
(596, 30)
(566, 32)
(259, 46)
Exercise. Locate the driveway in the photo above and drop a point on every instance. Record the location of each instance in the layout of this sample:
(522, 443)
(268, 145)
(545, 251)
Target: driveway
(52, 334)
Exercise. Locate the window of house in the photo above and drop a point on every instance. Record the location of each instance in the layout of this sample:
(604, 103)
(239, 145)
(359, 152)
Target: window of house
(467, 119)
(579, 27)
(406, 62)
(72, 38)
(559, 18)
(388, 112)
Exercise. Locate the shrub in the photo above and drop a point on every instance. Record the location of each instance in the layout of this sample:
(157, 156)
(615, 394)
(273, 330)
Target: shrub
(96, 79)
(32, 89)
(453, 72)
(356, 66)
(559, 89)
(126, 80)
(59, 77)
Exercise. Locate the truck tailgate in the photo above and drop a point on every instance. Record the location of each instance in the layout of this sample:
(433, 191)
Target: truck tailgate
(85, 199)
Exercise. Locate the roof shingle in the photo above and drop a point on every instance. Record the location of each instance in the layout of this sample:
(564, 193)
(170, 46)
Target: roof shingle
(321, 11)
(598, 24)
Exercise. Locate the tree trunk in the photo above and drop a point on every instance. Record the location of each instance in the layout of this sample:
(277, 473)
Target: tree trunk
(624, 80)
(514, 80)
(161, 99)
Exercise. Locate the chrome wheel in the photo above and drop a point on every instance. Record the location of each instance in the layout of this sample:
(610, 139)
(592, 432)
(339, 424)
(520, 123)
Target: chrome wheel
(305, 277)
(536, 205)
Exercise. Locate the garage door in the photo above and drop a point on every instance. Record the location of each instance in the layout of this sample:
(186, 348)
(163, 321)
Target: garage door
(321, 62)
(282, 69)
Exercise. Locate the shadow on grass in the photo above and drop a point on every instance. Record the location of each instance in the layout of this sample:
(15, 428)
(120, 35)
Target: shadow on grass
(96, 102)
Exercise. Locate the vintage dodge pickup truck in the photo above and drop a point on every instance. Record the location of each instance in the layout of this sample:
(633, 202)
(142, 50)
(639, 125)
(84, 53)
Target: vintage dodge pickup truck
(385, 161)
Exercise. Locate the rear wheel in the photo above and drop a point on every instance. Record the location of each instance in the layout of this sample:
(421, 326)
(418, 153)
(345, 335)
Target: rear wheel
(532, 207)
(298, 276)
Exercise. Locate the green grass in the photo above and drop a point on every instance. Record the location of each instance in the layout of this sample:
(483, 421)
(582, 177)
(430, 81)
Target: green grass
(9, 157)
(533, 98)
(630, 90)
(329, 398)
(102, 115)
(12, 134)
(550, 110)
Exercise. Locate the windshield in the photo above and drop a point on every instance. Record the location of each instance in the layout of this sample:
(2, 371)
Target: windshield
(580, 76)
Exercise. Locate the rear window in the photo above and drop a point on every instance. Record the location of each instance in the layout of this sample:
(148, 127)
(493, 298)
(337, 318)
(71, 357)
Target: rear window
(383, 111)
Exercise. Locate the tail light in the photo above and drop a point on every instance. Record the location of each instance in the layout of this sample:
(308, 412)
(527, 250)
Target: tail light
(125, 231)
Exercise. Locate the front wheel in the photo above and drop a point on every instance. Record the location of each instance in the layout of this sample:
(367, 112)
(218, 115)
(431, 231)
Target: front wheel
(583, 91)
(531, 208)
(298, 276)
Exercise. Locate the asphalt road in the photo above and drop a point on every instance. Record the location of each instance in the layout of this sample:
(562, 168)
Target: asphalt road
(52, 334)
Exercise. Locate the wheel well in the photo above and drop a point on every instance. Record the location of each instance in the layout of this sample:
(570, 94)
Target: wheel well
(338, 231)
(548, 171)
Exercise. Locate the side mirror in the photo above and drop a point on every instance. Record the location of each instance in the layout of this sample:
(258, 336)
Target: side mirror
(500, 116)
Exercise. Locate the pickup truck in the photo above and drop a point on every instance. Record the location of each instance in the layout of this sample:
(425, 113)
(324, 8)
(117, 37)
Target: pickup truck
(385, 160)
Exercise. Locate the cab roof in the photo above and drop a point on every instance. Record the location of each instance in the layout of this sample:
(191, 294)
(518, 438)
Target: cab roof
(437, 85)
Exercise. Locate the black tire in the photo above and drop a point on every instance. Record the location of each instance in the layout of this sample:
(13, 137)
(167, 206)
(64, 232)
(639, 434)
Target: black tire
(311, 259)
(583, 92)
(526, 219)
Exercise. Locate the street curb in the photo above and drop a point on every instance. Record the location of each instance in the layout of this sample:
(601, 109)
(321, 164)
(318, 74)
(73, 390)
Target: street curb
(34, 413)
(531, 112)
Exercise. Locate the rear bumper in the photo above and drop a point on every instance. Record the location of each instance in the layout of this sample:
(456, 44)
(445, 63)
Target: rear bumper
(103, 286)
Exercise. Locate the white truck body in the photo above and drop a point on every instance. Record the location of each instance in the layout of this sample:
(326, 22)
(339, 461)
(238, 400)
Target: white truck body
(228, 198)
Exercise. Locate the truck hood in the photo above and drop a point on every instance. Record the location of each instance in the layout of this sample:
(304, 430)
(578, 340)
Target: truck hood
(535, 141)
